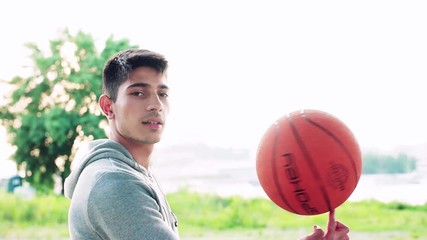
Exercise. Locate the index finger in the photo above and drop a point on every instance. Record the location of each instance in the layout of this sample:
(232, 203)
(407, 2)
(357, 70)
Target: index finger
(331, 221)
(330, 233)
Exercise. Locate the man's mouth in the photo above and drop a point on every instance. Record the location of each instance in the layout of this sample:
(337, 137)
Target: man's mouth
(152, 122)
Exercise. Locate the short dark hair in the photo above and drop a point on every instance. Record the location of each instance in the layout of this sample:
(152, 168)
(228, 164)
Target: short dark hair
(120, 65)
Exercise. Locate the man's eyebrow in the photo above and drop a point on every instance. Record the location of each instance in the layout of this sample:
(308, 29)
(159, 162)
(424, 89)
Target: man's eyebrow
(163, 86)
(140, 84)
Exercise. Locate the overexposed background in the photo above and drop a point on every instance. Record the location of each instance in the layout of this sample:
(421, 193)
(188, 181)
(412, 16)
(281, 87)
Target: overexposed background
(236, 66)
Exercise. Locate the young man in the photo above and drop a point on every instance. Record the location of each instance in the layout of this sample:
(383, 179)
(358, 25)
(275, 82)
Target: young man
(113, 192)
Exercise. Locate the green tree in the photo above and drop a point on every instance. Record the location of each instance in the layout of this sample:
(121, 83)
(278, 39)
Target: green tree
(56, 106)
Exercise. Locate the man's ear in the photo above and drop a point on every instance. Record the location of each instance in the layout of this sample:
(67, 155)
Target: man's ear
(105, 102)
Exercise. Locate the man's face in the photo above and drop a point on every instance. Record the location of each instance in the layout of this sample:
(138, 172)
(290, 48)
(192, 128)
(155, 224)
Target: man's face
(141, 106)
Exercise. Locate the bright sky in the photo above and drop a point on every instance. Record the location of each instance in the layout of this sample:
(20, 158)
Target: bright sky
(237, 66)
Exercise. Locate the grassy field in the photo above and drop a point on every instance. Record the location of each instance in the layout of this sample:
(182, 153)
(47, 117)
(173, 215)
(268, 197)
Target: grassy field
(212, 217)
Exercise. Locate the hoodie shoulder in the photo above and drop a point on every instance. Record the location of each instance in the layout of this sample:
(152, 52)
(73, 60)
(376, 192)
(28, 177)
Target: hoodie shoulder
(94, 151)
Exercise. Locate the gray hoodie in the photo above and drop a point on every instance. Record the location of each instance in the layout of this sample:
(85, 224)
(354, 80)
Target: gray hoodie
(112, 197)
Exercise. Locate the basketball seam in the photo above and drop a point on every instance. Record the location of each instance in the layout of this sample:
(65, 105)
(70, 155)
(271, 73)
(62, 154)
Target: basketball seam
(337, 140)
(275, 168)
(311, 163)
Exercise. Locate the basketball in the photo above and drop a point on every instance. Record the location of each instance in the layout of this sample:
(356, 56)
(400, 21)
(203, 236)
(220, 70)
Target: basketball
(308, 162)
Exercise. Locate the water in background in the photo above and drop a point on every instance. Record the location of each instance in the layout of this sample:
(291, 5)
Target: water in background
(238, 177)
(408, 188)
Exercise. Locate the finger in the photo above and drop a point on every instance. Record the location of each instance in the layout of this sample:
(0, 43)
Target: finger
(340, 227)
(316, 235)
(341, 231)
(330, 233)
(331, 221)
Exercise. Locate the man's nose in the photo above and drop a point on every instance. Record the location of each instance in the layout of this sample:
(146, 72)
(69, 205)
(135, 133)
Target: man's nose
(155, 104)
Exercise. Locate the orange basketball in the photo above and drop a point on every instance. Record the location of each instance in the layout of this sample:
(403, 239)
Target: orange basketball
(308, 162)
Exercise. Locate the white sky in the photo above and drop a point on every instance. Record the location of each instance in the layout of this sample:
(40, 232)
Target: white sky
(236, 66)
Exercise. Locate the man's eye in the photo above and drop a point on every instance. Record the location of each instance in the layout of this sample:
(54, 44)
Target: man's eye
(163, 95)
(137, 94)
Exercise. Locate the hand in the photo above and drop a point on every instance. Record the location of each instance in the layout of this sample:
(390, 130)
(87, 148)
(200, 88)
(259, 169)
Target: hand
(336, 230)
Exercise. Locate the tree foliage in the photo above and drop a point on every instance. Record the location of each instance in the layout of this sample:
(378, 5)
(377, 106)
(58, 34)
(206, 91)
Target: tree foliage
(374, 163)
(56, 106)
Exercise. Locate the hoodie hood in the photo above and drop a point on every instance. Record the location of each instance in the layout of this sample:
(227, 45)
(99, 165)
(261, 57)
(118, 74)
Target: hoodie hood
(98, 149)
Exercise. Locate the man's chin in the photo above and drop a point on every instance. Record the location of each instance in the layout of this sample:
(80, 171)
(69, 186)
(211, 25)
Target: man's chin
(150, 141)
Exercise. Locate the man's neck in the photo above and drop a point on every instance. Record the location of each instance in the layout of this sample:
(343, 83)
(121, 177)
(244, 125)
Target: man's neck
(139, 151)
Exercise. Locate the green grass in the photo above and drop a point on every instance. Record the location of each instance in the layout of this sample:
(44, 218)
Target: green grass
(236, 213)
(203, 216)
(44, 217)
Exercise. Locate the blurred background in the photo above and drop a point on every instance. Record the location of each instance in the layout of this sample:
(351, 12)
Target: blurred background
(235, 67)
